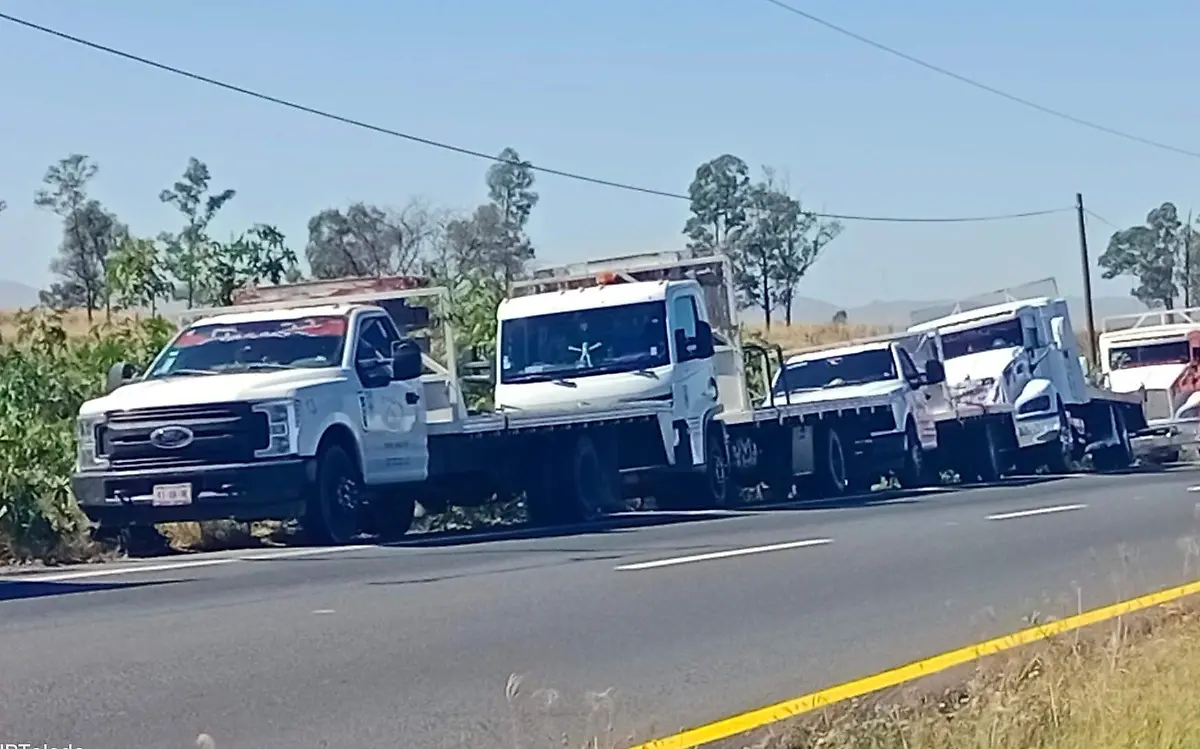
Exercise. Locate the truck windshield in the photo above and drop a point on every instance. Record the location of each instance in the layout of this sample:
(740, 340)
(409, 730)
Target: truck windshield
(876, 365)
(263, 344)
(603, 340)
(1149, 354)
(998, 335)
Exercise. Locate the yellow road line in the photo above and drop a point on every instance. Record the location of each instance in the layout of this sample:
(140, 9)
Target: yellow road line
(737, 724)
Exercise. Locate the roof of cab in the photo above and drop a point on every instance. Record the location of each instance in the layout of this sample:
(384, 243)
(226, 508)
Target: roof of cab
(590, 297)
(286, 313)
(840, 351)
(980, 314)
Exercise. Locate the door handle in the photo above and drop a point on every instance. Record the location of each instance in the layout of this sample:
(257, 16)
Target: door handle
(411, 398)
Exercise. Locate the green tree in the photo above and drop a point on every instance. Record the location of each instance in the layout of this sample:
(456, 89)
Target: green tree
(253, 257)
(720, 197)
(136, 274)
(89, 232)
(1153, 254)
(187, 250)
(367, 240)
(510, 189)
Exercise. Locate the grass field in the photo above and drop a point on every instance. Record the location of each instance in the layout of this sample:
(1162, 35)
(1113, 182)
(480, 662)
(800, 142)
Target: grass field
(1125, 684)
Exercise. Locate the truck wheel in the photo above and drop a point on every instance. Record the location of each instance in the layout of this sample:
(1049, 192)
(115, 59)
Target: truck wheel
(833, 469)
(1059, 454)
(988, 462)
(915, 472)
(1119, 456)
(333, 506)
(575, 485)
(712, 488)
(391, 517)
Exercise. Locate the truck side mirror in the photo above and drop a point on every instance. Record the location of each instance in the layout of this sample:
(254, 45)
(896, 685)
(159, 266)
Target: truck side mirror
(406, 361)
(935, 372)
(118, 375)
(704, 340)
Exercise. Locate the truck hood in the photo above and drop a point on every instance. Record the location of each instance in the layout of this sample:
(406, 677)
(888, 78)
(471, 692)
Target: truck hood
(594, 390)
(980, 365)
(190, 390)
(866, 390)
(1154, 377)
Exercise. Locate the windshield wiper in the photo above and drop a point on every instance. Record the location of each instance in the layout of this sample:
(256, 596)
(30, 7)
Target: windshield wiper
(184, 373)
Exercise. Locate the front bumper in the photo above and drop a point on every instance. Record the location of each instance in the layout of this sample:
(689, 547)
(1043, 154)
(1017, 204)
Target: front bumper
(1165, 436)
(242, 491)
(1036, 430)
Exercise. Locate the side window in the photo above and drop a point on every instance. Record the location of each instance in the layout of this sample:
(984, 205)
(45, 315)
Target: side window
(376, 339)
(1030, 335)
(908, 368)
(684, 318)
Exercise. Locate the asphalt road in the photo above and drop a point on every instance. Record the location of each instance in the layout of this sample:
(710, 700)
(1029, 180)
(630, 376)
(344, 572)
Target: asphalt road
(629, 631)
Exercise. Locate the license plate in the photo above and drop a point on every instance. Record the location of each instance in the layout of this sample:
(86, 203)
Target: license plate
(172, 495)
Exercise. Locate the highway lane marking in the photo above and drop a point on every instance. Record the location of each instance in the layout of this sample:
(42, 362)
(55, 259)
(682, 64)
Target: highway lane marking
(1034, 512)
(727, 554)
(764, 716)
(185, 564)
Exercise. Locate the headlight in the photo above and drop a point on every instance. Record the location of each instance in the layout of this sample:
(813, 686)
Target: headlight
(1036, 405)
(282, 428)
(87, 430)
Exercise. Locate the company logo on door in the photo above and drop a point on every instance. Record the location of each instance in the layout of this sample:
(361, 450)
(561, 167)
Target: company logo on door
(172, 437)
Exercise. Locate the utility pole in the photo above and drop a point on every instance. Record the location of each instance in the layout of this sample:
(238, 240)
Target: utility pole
(1087, 281)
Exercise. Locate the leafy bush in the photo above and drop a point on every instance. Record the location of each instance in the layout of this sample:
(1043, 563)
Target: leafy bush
(45, 375)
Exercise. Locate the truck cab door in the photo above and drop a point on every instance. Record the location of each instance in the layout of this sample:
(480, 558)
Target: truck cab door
(694, 382)
(396, 433)
(918, 396)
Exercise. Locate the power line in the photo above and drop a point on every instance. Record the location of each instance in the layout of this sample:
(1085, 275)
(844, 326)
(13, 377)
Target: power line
(467, 151)
(982, 86)
(1101, 219)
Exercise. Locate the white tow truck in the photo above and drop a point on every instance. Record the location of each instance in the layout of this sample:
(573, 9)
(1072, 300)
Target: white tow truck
(1157, 353)
(1018, 396)
(880, 370)
(664, 328)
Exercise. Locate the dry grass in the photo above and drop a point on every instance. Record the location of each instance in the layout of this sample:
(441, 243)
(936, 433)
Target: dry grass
(75, 321)
(1118, 685)
(800, 335)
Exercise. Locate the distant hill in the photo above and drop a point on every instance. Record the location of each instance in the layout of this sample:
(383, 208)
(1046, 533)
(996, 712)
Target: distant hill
(896, 314)
(15, 295)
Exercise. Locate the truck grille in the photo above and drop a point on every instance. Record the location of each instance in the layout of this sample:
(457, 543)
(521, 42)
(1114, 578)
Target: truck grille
(1158, 405)
(221, 433)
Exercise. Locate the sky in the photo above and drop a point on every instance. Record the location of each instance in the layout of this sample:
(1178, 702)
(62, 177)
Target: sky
(636, 91)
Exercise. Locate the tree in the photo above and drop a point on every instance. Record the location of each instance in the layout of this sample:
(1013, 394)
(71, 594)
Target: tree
(367, 240)
(840, 317)
(253, 257)
(3, 206)
(772, 246)
(510, 188)
(1151, 253)
(186, 252)
(720, 197)
(136, 274)
(89, 231)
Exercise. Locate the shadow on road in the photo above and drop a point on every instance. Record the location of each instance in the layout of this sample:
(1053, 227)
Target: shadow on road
(17, 590)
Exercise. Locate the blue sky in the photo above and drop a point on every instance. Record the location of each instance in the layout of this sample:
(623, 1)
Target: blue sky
(637, 91)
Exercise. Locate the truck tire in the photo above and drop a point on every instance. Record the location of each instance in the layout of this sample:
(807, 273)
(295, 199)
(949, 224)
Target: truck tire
(709, 489)
(989, 466)
(1119, 456)
(332, 514)
(916, 470)
(575, 485)
(833, 467)
(1060, 453)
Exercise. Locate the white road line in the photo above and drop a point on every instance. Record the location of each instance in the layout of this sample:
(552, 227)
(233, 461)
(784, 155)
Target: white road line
(59, 577)
(1032, 513)
(723, 554)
